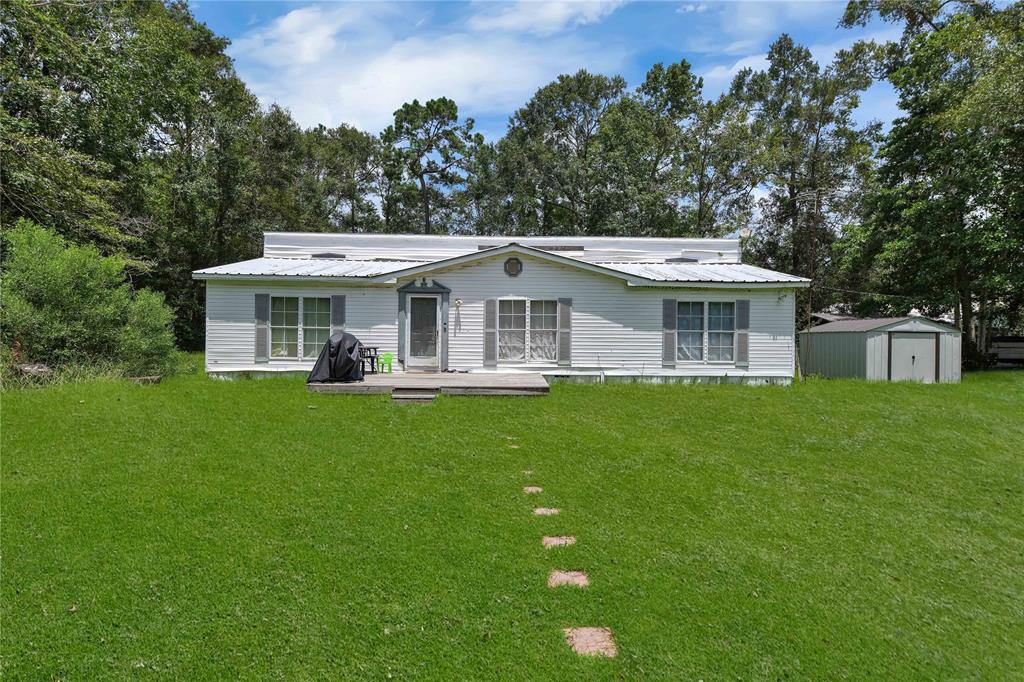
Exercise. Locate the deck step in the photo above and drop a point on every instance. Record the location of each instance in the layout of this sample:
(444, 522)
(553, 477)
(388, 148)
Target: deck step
(414, 395)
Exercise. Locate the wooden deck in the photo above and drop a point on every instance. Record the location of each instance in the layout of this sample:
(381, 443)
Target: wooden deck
(408, 383)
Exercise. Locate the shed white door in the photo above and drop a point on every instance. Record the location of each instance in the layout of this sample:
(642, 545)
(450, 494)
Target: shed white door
(913, 357)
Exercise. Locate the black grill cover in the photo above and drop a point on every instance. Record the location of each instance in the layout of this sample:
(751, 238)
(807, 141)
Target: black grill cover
(338, 361)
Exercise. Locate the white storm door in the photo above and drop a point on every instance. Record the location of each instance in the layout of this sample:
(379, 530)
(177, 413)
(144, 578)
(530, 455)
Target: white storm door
(424, 342)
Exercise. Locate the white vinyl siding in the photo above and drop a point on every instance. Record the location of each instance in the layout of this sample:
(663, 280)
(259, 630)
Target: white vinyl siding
(614, 327)
(371, 313)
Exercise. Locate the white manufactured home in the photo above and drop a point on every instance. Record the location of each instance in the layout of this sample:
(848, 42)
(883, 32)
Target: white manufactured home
(573, 307)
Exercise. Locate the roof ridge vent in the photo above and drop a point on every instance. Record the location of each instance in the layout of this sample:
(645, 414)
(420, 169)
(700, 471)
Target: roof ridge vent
(681, 259)
(330, 255)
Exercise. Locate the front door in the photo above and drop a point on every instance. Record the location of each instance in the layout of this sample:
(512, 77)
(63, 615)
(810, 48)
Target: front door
(424, 342)
(913, 357)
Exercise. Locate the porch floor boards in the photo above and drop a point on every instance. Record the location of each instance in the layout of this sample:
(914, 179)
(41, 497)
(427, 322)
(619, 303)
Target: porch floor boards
(515, 384)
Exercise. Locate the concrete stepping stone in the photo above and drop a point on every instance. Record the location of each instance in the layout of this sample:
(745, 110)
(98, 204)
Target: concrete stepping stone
(558, 540)
(530, 489)
(575, 578)
(546, 511)
(591, 641)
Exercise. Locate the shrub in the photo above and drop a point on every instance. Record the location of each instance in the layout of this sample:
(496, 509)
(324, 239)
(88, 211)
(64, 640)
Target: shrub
(66, 305)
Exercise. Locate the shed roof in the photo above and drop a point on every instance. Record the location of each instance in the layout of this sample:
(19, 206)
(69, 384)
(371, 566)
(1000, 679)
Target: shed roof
(868, 324)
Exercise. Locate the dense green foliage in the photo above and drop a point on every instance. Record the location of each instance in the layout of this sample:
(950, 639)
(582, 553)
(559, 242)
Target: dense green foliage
(209, 530)
(62, 304)
(125, 126)
(944, 222)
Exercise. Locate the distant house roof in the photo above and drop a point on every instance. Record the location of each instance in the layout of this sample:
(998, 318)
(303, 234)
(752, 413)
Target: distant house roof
(385, 270)
(868, 324)
(831, 317)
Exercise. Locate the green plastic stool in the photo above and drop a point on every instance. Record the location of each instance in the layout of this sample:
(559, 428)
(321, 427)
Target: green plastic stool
(384, 360)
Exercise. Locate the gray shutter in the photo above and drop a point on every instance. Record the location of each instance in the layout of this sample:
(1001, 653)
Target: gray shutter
(262, 314)
(491, 332)
(337, 313)
(565, 331)
(742, 333)
(668, 332)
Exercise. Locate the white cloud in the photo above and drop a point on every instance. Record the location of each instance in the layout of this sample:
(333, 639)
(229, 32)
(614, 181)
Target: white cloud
(544, 18)
(691, 8)
(718, 78)
(743, 26)
(302, 36)
(357, 64)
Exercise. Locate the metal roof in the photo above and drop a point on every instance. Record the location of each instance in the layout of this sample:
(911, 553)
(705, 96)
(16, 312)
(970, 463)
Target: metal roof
(638, 273)
(738, 273)
(306, 267)
(867, 324)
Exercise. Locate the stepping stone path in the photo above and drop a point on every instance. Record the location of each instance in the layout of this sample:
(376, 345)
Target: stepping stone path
(585, 641)
(558, 540)
(559, 578)
(591, 641)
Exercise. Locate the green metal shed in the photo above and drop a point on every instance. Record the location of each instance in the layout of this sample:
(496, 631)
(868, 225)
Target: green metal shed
(883, 349)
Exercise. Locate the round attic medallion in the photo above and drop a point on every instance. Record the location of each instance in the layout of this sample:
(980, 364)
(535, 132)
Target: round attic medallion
(513, 266)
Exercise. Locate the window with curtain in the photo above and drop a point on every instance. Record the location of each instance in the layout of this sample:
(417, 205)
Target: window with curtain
(721, 328)
(284, 326)
(690, 330)
(316, 325)
(511, 330)
(544, 330)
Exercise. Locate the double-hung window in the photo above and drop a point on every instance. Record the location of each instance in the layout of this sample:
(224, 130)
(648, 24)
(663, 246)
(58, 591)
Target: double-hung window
(544, 330)
(721, 328)
(284, 326)
(690, 330)
(298, 322)
(527, 330)
(316, 325)
(705, 331)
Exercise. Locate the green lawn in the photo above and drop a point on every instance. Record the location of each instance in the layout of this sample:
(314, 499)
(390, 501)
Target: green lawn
(202, 529)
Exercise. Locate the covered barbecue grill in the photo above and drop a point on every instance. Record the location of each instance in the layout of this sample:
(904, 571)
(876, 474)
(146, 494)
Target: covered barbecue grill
(339, 361)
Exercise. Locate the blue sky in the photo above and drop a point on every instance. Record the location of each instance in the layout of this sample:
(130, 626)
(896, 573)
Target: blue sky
(357, 62)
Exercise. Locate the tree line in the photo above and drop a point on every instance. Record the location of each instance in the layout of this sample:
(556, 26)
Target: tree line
(126, 127)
